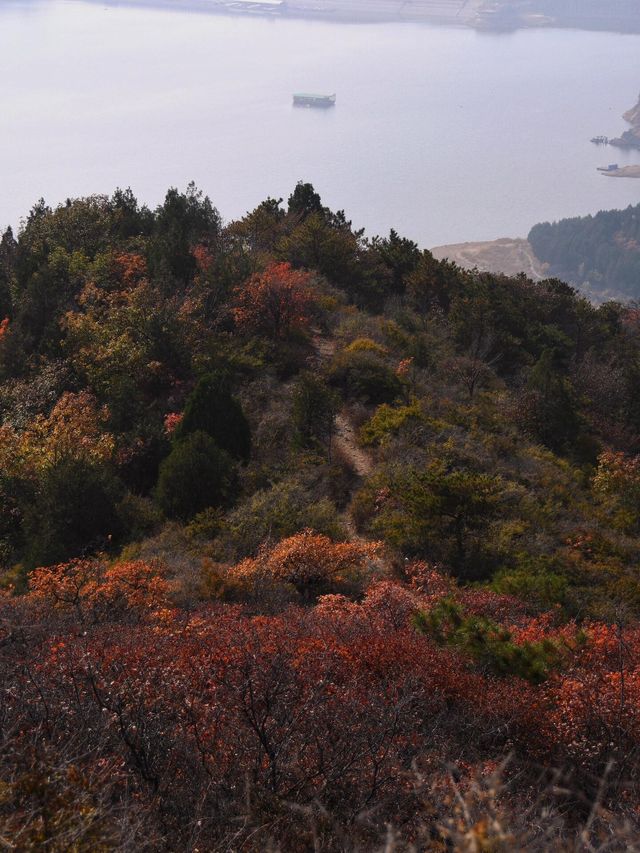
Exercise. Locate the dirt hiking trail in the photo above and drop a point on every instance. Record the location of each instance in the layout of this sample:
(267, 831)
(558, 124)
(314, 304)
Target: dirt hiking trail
(344, 440)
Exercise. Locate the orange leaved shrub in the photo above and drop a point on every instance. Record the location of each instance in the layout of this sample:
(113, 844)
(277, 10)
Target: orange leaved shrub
(94, 592)
(310, 561)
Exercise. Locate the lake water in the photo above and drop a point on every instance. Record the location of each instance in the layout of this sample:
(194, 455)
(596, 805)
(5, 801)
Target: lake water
(444, 134)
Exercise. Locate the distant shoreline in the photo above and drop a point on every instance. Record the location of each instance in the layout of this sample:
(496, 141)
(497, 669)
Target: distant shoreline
(341, 11)
(468, 14)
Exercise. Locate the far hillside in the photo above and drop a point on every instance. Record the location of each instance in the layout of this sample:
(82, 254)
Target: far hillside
(600, 254)
(622, 14)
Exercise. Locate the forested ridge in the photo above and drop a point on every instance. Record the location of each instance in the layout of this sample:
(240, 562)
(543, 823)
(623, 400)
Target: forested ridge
(309, 541)
(600, 254)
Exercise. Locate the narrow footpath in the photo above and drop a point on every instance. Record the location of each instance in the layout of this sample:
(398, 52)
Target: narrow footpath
(344, 438)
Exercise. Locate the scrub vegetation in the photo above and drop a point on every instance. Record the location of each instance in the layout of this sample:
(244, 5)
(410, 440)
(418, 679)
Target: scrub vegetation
(309, 541)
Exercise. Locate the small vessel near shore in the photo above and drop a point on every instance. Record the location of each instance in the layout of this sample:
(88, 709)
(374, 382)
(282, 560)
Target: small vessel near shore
(600, 140)
(306, 99)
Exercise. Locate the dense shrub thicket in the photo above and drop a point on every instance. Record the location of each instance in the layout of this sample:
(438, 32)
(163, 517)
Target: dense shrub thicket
(423, 707)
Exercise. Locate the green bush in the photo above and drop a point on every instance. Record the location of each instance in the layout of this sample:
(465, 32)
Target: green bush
(535, 583)
(363, 375)
(437, 513)
(206, 524)
(366, 345)
(139, 515)
(276, 513)
(388, 420)
(489, 644)
(197, 474)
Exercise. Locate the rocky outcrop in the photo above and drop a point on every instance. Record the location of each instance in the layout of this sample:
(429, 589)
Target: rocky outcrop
(630, 138)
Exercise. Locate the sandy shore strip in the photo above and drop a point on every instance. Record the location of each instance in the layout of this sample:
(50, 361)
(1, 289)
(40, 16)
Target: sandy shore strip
(623, 172)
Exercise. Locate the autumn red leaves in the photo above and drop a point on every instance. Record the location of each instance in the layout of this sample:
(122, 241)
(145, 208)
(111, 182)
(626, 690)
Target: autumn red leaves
(275, 303)
(586, 709)
(338, 703)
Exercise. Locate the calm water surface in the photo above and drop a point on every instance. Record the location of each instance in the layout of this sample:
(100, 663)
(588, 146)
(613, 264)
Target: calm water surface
(446, 135)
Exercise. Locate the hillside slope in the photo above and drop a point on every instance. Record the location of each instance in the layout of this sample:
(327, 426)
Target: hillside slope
(310, 541)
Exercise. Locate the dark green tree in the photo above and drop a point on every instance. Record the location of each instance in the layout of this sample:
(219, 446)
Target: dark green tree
(8, 250)
(261, 228)
(128, 219)
(72, 513)
(400, 255)
(547, 408)
(212, 409)
(304, 201)
(443, 514)
(15, 496)
(197, 474)
(432, 284)
(315, 406)
(183, 221)
(317, 245)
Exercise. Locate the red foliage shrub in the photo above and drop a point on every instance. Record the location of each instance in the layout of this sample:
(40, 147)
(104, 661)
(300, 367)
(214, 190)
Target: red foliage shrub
(276, 302)
(172, 421)
(131, 269)
(334, 704)
(594, 715)
(203, 257)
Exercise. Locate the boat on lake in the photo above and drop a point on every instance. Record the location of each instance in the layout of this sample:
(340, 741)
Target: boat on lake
(305, 99)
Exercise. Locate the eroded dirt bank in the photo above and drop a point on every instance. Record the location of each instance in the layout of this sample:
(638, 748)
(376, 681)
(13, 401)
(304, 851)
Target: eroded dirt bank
(507, 255)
